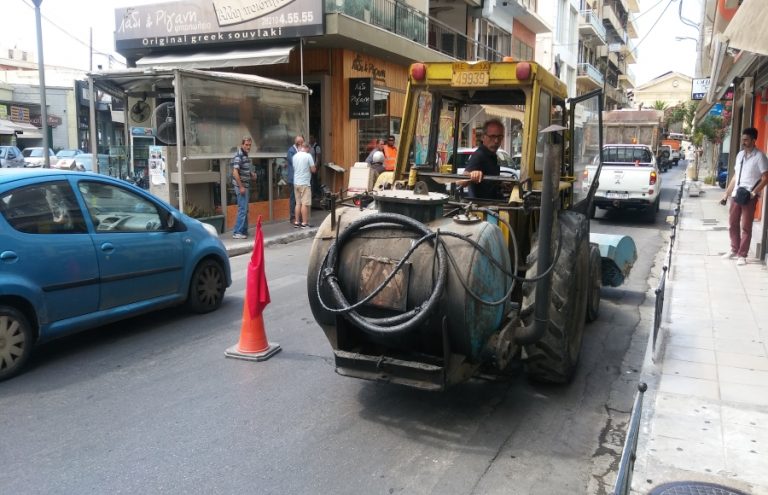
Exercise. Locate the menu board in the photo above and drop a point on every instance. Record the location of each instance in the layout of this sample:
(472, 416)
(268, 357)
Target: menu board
(360, 97)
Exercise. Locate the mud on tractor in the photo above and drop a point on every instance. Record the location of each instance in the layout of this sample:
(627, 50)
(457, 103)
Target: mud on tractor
(428, 288)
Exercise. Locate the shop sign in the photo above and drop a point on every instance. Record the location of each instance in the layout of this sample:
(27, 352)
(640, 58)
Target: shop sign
(4, 112)
(19, 114)
(53, 121)
(360, 97)
(699, 88)
(209, 23)
(366, 67)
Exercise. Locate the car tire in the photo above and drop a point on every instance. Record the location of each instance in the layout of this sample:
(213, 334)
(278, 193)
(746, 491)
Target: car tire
(16, 341)
(206, 287)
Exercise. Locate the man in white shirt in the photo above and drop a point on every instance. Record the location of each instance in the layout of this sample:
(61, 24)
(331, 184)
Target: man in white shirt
(750, 172)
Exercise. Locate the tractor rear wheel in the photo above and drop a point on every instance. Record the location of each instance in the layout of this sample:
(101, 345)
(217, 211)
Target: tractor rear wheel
(553, 358)
(595, 282)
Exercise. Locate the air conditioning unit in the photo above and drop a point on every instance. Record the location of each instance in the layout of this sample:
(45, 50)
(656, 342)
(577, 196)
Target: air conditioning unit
(140, 110)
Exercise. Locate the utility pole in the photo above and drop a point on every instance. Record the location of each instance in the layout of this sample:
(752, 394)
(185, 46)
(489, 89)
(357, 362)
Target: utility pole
(41, 72)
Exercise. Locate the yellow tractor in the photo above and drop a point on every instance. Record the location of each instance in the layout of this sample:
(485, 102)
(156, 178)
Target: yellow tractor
(427, 287)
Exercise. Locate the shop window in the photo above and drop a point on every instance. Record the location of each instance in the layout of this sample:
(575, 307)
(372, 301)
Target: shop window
(375, 128)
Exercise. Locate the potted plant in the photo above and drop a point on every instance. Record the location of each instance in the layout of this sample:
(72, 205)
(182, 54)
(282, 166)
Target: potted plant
(211, 218)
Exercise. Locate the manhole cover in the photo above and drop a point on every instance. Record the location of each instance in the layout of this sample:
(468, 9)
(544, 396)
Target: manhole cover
(694, 488)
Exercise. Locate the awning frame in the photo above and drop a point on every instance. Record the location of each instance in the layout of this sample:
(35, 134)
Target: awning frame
(217, 59)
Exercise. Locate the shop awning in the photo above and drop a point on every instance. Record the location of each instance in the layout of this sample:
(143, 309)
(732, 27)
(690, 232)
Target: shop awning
(22, 130)
(212, 60)
(499, 111)
(746, 31)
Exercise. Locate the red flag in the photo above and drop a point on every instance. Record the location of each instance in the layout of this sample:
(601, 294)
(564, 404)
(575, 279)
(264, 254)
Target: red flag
(257, 290)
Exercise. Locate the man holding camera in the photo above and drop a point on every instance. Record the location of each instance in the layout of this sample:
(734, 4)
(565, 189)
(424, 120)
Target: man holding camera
(750, 175)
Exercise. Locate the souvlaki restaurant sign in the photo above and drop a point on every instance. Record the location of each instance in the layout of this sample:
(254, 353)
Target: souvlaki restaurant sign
(208, 23)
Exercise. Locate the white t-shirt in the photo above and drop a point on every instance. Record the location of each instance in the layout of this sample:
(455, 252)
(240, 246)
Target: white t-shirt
(302, 164)
(754, 166)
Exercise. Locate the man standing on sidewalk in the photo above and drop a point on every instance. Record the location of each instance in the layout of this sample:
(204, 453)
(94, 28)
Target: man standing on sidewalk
(241, 182)
(303, 168)
(750, 172)
(298, 142)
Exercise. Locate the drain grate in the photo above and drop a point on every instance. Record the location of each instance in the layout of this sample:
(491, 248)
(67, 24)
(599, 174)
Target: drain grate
(708, 221)
(694, 488)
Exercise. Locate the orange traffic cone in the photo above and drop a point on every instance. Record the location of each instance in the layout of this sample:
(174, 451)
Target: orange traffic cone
(253, 344)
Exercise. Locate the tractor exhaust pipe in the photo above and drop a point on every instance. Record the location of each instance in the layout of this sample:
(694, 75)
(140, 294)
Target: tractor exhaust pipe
(533, 332)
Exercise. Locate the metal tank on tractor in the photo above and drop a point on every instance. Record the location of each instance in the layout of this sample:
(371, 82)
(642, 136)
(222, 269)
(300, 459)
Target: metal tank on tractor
(427, 288)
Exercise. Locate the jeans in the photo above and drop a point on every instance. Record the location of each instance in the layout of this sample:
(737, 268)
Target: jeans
(292, 203)
(241, 222)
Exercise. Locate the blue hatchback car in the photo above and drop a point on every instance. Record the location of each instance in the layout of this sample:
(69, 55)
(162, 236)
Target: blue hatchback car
(78, 250)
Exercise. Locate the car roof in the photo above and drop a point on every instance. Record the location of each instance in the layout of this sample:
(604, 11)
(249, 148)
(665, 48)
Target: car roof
(9, 175)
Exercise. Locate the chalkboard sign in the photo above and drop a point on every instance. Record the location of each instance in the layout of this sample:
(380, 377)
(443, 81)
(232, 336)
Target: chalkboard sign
(360, 97)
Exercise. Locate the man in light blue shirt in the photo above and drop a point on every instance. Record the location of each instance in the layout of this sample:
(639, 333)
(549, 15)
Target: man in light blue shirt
(303, 168)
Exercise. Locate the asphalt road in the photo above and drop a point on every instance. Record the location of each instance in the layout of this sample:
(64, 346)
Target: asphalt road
(151, 405)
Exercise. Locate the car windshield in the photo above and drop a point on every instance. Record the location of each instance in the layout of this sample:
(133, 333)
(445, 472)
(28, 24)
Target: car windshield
(67, 153)
(33, 152)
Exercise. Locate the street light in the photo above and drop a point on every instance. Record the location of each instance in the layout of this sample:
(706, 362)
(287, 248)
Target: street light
(41, 72)
(698, 55)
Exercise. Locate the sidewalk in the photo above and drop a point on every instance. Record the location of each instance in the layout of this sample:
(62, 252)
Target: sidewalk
(705, 415)
(274, 233)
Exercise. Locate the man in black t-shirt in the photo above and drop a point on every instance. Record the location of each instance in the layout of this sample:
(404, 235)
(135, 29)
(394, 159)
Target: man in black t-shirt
(484, 161)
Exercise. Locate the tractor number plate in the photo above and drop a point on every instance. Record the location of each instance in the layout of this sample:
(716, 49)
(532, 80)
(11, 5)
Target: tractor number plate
(471, 75)
(373, 272)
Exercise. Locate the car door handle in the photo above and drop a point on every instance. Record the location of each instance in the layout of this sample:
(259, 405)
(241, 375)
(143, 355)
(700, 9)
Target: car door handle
(9, 256)
(108, 247)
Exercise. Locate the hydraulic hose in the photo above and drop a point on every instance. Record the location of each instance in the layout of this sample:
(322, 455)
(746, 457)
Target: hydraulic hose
(396, 325)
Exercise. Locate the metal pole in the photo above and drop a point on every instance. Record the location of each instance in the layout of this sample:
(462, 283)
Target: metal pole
(41, 71)
(92, 121)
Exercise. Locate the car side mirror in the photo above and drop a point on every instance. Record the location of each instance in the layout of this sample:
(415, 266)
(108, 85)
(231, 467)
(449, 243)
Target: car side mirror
(170, 221)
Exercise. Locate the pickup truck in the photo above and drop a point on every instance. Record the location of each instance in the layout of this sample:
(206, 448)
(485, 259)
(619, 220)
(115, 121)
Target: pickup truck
(630, 179)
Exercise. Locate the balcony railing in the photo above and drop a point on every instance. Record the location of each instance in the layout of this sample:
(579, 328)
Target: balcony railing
(405, 21)
(593, 20)
(589, 70)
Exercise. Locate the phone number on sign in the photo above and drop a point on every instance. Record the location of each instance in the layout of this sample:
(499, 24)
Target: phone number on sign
(290, 18)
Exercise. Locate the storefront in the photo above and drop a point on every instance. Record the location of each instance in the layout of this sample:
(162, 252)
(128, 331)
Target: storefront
(284, 42)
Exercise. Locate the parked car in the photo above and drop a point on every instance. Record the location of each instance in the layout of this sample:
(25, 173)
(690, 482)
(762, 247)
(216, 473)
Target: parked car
(10, 156)
(68, 153)
(35, 157)
(84, 163)
(83, 250)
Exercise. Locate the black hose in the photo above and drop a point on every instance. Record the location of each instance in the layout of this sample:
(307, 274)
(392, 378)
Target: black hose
(399, 324)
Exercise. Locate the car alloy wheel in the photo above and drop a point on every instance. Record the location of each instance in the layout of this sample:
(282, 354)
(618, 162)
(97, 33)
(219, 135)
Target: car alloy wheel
(15, 341)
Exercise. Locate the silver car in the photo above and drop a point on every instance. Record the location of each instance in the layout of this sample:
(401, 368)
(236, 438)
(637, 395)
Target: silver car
(10, 156)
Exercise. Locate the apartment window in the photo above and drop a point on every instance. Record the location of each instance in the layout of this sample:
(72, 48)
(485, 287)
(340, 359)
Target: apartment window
(521, 51)
(497, 41)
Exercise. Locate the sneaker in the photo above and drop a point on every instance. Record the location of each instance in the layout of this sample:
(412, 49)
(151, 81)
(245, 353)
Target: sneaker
(741, 261)
(729, 255)
(239, 236)
(306, 226)
(296, 225)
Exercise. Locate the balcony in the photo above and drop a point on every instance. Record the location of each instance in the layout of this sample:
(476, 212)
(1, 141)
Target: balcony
(589, 75)
(612, 21)
(591, 26)
(407, 23)
(629, 52)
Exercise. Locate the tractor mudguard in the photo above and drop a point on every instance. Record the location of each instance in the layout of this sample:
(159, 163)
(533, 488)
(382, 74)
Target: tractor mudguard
(618, 254)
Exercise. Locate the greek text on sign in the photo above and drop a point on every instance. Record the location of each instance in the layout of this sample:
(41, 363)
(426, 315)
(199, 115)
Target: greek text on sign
(235, 11)
(470, 75)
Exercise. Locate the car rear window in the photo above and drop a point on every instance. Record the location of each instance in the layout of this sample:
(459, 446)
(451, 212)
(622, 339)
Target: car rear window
(627, 155)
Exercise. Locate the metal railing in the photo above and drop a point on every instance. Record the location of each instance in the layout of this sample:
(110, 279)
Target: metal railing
(629, 452)
(405, 21)
(661, 288)
(593, 19)
(589, 70)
